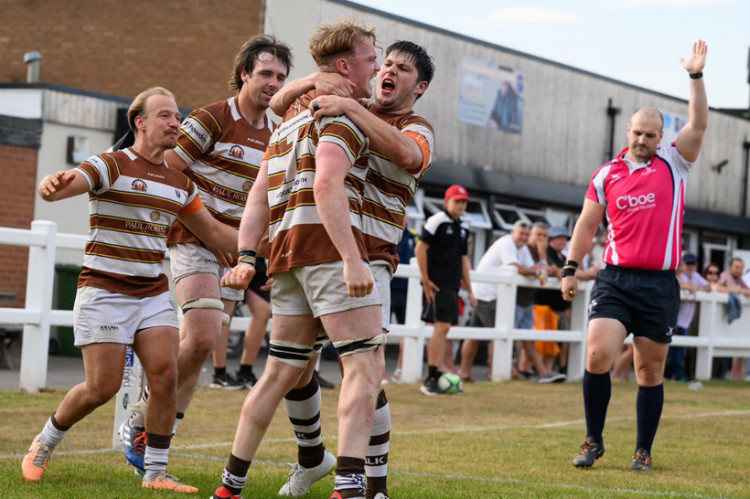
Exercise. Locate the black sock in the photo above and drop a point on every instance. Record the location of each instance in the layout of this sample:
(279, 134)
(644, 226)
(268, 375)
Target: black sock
(648, 406)
(245, 370)
(597, 389)
(432, 372)
(218, 371)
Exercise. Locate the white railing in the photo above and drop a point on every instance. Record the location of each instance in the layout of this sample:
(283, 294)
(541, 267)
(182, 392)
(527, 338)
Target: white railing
(716, 338)
(415, 332)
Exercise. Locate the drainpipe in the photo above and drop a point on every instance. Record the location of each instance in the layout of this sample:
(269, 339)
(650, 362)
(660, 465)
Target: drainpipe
(746, 147)
(612, 112)
(33, 60)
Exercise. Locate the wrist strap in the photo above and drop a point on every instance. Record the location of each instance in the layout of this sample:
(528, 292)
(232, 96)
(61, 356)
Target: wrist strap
(696, 76)
(247, 256)
(571, 263)
(568, 272)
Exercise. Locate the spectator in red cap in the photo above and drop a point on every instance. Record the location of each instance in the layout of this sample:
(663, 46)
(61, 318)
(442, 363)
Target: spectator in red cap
(442, 254)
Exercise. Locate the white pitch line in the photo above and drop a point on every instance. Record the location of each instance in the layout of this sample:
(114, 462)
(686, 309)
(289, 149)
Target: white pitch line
(603, 490)
(457, 429)
(177, 452)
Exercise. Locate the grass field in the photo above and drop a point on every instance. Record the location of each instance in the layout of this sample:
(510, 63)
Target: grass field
(514, 439)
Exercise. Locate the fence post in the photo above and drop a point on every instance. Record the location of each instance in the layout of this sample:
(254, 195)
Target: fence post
(40, 280)
(579, 322)
(505, 313)
(708, 318)
(413, 354)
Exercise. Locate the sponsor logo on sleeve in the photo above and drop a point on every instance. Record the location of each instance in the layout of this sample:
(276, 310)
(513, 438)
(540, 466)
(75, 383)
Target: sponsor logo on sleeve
(139, 185)
(196, 134)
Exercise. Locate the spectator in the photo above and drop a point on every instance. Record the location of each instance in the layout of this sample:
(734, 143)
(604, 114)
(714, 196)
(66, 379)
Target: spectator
(691, 281)
(510, 249)
(711, 274)
(731, 281)
(442, 254)
(529, 353)
(557, 241)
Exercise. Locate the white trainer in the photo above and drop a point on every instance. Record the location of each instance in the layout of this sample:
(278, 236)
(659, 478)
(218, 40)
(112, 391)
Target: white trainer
(300, 479)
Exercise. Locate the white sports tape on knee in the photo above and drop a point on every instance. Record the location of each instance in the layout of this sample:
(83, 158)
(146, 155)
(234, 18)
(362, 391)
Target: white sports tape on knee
(290, 353)
(206, 303)
(350, 347)
(320, 340)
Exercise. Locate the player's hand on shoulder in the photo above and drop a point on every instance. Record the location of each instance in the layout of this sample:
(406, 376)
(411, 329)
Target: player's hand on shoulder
(334, 84)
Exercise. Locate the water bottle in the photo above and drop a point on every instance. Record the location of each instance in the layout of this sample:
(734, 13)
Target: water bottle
(541, 274)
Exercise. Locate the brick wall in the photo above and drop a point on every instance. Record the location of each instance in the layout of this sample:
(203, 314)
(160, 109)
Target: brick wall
(187, 47)
(17, 191)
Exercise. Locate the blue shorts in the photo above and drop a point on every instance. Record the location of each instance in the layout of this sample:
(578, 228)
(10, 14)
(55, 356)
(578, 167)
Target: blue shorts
(646, 302)
(524, 317)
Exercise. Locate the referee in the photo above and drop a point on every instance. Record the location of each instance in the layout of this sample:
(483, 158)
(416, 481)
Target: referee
(443, 262)
(642, 191)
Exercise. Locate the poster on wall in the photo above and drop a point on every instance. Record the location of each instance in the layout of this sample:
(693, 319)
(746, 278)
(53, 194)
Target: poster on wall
(673, 123)
(491, 96)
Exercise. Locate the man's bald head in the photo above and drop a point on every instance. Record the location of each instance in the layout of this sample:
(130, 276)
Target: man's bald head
(649, 113)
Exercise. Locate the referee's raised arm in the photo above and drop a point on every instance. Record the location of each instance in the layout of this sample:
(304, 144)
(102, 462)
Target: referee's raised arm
(690, 138)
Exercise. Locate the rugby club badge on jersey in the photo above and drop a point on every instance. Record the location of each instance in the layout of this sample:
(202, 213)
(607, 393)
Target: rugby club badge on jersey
(237, 152)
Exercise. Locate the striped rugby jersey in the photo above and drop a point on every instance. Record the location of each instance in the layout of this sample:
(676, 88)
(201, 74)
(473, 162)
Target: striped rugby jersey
(389, 189)
(296, 233)
(132, 204)
(645, 205)
(223, 153)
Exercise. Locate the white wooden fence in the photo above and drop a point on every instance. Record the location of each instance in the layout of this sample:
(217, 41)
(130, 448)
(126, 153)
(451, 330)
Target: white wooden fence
(716, 338)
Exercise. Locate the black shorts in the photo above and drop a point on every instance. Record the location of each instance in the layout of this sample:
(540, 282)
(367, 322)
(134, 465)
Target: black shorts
(259, 279)
(443, 309)
(645, 301)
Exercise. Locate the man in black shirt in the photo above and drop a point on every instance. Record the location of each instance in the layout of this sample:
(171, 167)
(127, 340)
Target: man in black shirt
(444, 263)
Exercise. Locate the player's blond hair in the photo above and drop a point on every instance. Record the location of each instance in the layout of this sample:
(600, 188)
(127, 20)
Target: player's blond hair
(330, 41)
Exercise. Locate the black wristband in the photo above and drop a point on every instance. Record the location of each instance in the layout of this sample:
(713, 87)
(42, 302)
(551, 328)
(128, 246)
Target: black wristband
(696, 76)
(567, 272)
(571, 263)
(247, 256)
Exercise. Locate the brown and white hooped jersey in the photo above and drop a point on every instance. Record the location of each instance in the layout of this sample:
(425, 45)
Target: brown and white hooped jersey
(297, 235)
(389, 189)
(132, 204)
(223, 153)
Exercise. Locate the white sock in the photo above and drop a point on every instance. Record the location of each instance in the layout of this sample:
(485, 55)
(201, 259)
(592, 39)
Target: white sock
(51, 436)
